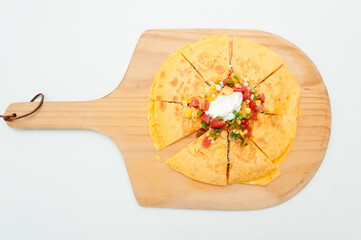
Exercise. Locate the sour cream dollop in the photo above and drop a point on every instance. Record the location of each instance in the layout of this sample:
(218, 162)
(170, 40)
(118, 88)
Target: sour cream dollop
(224, 106)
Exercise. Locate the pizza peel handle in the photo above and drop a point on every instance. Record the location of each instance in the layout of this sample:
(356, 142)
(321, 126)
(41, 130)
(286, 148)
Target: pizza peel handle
(115, 115)
(55, 115)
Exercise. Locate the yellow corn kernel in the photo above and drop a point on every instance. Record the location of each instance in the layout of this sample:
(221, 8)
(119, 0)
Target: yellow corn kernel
(238, 122)
(189, 112)
(258, 102)
(212, 95)
(237, 85)
(241, 132)
(248, 110)
(243, 112)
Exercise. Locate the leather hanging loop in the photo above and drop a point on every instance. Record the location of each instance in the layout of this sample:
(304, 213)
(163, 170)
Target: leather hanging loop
(14, 116)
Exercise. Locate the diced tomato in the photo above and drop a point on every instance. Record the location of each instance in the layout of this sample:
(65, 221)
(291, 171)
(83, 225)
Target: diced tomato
(205, 117)
(217, 123)
(262, 98)
(206, 106)
(252, 105)
(247, 95)
(254, 116)
(225, 82)
(206, 142)
(245, 123)
(237, 90)
(230, 73)
(243, 88)
(194, 102)
(200, 132)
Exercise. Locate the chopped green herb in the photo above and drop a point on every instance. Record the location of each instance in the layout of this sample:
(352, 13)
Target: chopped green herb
(242, 127)
(235, 135)
(234, 125)
(215, 130)
(235, 77)
(204, 125)
(242, 141)
(254, 90)
(235, 113)
(258, 96)
(248, 117)
(239, 117)
(230, 81)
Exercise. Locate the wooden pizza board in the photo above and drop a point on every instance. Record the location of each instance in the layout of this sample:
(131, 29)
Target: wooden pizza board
(122, 115)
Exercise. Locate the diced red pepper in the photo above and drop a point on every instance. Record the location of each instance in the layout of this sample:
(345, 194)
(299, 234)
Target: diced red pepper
(206, 142)
(200, 132)
(247, 95)
(217, 123)
(194, 102)
(262, 98)
(225, 82)
(252, 105)
(206, 106)
(205, 117)
(254, 116)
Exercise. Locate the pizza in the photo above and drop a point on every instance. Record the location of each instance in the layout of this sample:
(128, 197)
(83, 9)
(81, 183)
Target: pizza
(244, 107)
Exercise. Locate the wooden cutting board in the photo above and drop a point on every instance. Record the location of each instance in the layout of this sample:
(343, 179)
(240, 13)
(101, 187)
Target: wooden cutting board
(122, 115)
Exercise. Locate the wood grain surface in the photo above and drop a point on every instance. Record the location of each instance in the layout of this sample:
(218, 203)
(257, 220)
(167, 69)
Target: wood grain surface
(122, 115)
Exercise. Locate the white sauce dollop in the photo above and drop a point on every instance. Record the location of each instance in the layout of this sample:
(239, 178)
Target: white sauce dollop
(224, 106)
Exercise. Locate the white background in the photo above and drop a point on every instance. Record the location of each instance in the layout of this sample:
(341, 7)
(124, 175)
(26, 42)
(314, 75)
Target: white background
(74, 185)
